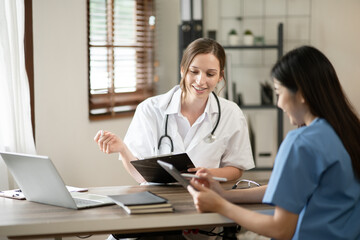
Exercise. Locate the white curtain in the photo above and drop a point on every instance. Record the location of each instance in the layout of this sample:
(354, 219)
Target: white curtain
(15, 115)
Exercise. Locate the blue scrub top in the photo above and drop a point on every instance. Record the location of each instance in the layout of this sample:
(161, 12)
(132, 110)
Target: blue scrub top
(313, 177)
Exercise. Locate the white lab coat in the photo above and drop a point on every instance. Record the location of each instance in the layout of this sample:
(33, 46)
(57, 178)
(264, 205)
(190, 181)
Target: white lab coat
(231, 147)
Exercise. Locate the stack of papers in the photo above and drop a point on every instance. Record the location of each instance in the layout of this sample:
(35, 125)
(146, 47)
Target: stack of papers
(18, 194)
(142, 202)
(15, 194)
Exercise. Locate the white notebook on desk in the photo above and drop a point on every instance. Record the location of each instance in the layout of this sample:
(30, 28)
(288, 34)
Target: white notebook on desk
(40, 182)
(18, 194)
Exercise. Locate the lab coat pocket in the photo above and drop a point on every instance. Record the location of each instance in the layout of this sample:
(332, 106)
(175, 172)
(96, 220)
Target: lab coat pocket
(207, 154)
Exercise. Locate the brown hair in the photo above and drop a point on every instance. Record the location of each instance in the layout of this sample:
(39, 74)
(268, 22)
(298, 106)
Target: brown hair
(201, 46)
(310, 71)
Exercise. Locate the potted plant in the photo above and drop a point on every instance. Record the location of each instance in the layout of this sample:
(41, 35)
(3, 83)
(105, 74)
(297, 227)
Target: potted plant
(248, 37)
(233, 38)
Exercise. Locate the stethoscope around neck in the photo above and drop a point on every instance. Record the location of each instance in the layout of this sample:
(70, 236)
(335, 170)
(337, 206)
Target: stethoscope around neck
(209, 138)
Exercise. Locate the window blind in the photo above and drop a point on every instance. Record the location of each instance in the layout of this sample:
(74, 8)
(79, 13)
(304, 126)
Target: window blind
(121, 55)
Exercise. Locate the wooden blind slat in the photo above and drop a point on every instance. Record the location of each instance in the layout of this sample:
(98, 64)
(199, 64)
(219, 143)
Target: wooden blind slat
(120, 54)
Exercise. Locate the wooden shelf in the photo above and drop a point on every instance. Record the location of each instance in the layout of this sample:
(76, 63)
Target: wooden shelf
(275, 47)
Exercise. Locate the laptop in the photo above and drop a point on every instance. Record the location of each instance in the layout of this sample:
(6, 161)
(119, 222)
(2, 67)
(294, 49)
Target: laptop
(40, 182)
(152, 172)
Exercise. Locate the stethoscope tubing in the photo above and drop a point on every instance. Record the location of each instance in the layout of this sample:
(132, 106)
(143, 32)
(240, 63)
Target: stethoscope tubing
(167, 120)
(219, 110)
(166, 135)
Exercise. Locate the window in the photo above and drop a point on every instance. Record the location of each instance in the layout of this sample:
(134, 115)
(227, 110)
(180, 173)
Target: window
(121, 55)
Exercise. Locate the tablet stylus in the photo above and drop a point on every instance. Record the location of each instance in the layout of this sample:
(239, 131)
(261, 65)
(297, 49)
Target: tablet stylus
(220, 179)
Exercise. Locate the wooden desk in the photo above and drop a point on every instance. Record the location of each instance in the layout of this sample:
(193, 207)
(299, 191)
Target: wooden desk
(24, 219)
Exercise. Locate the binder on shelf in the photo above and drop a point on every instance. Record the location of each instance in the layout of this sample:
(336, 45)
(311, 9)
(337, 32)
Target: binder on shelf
(197, 29)
(191, 26)
(185, 10)
(197, 17)
(185, 34)
(265, 141)
(197, 10)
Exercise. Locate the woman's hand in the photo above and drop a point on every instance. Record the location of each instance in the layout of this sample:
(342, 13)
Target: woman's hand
(108, 142)
(206, 179)
(229, 172)
(205, 199)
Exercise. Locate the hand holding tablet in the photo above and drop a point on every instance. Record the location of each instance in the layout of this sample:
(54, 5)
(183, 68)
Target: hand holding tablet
(168, 167)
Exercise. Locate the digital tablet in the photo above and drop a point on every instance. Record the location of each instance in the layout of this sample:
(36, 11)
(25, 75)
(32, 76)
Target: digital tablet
(152, 172)
(174, 173)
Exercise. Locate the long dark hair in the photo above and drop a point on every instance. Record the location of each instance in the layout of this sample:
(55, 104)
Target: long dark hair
(309, 71)
(201, 46)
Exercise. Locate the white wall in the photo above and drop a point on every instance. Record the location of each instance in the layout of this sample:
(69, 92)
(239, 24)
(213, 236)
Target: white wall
(63, 130)
(336, 32)
(167, 21)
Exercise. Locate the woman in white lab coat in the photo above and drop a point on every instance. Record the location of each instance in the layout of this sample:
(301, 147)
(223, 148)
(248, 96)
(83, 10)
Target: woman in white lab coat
(189, 113)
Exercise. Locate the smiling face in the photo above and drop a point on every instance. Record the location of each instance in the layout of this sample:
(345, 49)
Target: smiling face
(293, 104)
(202, 76)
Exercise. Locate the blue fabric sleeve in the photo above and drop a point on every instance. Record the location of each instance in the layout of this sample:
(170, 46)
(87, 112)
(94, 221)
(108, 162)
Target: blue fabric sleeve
(295, 175)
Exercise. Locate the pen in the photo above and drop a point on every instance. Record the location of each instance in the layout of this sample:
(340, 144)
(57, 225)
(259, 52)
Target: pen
(220, 179)
(101, 133)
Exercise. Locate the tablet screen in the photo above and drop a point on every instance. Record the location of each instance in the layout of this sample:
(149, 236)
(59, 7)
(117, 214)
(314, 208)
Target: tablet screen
(175, 173)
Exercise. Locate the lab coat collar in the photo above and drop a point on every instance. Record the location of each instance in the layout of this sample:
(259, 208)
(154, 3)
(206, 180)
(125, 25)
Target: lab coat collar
(170, 102)
(175, 103)
(212, 104)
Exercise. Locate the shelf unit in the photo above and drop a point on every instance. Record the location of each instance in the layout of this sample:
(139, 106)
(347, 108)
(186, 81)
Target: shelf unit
(279, 47)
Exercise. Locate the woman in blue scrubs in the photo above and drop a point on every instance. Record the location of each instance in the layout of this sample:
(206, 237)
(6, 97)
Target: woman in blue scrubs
(315, 183)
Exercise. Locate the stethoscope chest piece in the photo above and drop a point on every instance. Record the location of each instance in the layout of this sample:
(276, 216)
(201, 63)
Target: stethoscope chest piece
(210, 138)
